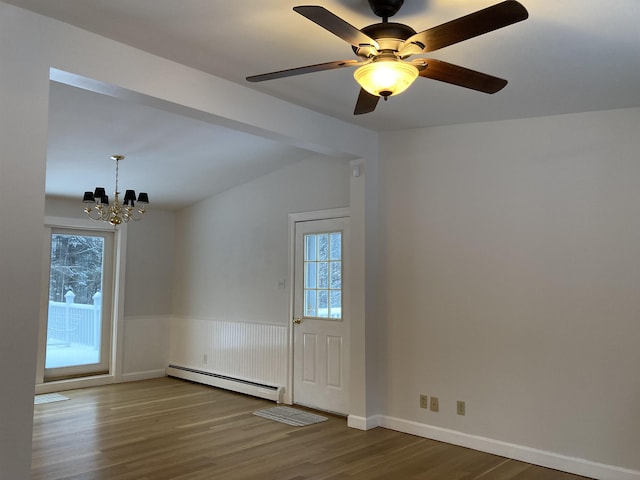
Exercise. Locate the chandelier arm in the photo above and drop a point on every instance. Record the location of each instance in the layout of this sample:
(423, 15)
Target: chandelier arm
(90, 213)
(131, 215)
(96, 213)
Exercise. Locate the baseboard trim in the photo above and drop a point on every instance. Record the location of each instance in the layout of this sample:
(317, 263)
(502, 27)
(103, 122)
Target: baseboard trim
(577, 466)
(363, 423)
(146, 375)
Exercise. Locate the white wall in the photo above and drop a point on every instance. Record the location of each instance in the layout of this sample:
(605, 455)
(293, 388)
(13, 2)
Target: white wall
(512, 265)
(147, 304)
(23, 133)
(231, 250)
(231, 257)
(150, 252)
(29, 46)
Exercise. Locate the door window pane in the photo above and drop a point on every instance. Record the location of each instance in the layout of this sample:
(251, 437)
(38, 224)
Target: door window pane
(310, 274)
(310, 250)
(336, 246)
(74, 323)
(335, 304)
(323, 303)
(310, 303)
(323, 246)
(336, 275)
(323, 275)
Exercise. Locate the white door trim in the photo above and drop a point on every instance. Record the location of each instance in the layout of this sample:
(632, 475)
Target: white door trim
(293, 219)
(117, 312)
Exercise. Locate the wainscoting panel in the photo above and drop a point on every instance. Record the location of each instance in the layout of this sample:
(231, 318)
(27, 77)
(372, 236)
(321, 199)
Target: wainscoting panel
(255, 352)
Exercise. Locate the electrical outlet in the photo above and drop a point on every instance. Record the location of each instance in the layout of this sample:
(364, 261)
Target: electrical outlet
(424, 401)
(433, 406)
(461, 407)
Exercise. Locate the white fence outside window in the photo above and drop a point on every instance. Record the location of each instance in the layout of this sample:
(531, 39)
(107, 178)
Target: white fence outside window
(72, 324)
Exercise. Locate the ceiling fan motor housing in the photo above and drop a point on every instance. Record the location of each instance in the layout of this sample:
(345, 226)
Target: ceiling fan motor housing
(390, 37)
(385, 8)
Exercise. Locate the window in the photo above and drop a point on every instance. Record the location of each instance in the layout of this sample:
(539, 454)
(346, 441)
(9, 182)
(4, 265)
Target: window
(323, 275)
(79, 321)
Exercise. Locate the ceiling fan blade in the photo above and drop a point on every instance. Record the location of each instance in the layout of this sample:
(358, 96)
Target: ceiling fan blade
(336, 25)
(302, 70)
(461, 76)
(464, 28)
(366, 102)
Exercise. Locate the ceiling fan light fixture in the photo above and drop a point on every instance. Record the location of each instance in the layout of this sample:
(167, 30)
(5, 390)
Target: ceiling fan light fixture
(386, 76)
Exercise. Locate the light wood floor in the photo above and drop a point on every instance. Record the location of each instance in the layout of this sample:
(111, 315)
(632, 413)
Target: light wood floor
(171, 429)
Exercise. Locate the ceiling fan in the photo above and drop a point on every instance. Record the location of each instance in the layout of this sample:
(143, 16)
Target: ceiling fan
(383, 48)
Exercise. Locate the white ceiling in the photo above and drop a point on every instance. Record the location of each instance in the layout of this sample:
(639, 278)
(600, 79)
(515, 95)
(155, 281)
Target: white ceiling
(177, 160)
(569, 56)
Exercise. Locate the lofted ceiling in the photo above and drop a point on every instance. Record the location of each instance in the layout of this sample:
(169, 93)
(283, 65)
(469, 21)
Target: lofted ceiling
(569, 56)
(178, 160)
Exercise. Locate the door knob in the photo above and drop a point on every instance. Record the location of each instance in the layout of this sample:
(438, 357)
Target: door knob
(297, 320)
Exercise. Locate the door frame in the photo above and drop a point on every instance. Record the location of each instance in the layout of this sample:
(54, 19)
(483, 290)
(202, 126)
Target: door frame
(117, 308)
(293, 219)
(106, 304)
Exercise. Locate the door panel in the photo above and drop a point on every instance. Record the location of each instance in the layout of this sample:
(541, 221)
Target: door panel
(321, 329)
(334, 361)
(309, 356)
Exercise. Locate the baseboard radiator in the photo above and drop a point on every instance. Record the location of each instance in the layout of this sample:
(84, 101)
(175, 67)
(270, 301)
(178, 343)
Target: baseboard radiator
(269, 392)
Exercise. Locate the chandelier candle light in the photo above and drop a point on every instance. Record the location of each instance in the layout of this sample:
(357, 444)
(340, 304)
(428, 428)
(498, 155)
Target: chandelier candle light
(98, 207)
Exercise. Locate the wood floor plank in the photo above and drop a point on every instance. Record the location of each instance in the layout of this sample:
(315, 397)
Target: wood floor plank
(170, 429)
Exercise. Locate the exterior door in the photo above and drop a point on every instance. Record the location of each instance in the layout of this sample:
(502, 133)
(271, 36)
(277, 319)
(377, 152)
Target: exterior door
(79, 323)
(321, 317)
